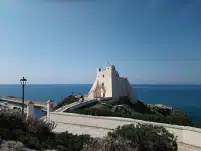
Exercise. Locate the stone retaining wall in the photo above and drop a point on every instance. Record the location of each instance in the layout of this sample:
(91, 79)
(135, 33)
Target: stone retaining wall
(97, 126)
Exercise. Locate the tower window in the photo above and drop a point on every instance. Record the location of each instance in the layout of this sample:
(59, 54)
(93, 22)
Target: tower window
(102, 84)
(103, 75)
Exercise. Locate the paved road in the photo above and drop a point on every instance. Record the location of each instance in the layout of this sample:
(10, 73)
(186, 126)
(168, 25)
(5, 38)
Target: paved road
(185, 147)
(68, 106)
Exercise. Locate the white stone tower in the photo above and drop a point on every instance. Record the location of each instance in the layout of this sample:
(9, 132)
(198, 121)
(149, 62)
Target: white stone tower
(108, 83)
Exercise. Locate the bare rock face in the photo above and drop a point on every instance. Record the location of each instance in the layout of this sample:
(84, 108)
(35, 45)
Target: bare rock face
(15, 146)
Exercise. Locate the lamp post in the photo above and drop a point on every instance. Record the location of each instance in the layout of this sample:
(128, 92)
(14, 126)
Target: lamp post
(23, 83)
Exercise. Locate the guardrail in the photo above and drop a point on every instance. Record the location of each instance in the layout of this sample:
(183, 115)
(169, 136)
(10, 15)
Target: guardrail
(19, 101)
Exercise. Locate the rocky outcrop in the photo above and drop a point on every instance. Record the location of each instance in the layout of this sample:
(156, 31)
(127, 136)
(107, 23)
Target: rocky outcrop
(122, 109)
(15, 146)
(159, 108)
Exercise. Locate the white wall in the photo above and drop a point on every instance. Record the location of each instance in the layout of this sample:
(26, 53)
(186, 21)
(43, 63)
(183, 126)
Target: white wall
(103, 76)
(99, 126)
(114, 85)
(30, 109)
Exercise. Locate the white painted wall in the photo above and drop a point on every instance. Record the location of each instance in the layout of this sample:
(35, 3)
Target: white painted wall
(99, 126)
(49, 108)
(108, 83)
(30, 109)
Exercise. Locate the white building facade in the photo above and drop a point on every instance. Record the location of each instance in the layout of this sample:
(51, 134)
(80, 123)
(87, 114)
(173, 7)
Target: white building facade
(108, 83)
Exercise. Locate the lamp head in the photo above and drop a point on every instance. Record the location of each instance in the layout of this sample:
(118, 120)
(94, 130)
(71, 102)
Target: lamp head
(23, 81)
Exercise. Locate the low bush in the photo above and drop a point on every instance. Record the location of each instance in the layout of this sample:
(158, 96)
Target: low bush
(108, 144)
(15, 122)
(183, 120)
(135, 138)
(30, 141)
(95, 112)
(37, 134)
(74, 143)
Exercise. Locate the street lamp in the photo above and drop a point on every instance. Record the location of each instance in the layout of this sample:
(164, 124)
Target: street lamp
(23, 83)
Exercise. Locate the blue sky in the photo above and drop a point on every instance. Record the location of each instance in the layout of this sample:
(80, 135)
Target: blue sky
(64, 41)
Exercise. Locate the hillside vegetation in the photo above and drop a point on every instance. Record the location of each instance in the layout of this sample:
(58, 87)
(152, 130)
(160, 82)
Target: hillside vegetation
(134, 138)
(141, 111)
(37, 134)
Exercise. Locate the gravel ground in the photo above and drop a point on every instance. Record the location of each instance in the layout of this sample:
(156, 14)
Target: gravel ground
(15, 146)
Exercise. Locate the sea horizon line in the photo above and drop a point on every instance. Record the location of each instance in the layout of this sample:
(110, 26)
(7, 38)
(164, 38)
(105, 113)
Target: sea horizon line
(91, 84)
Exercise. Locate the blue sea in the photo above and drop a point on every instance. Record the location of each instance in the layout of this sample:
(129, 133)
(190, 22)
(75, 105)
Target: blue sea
(185, 97)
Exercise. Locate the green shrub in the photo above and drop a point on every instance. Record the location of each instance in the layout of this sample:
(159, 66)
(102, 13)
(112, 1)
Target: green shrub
(176, 119)
(108, 144)
(135, 138)
(39, 128)
(197, 125)
(146, 137)
(12, 120)
(30, 142)
(0, 139)
(37, 134)
(5, 133)
(16, 133)
(95, 112)
(69, 141)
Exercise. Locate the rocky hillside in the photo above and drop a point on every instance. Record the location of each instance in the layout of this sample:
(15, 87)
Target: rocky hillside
(15, 146)
(140, 110)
